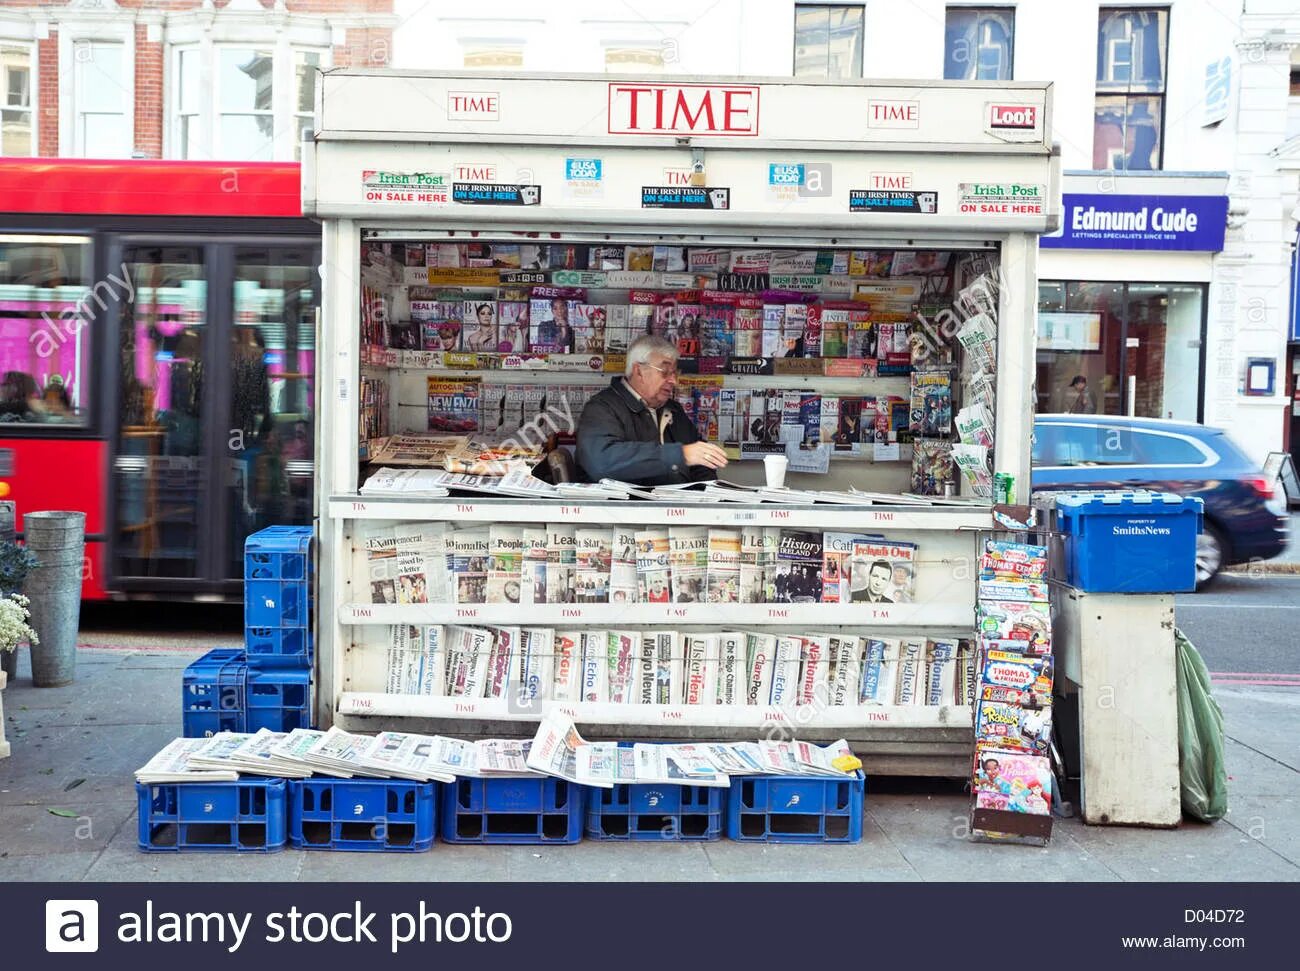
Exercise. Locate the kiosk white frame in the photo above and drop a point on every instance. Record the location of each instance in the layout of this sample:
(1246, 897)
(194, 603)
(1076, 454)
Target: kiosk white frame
(933, 136)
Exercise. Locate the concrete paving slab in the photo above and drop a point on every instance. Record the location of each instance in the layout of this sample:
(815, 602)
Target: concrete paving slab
(1265, 719)
(598, 860)
(123, 860)
(45, 761)
(33, 831)
(62, 868)
(442, 864)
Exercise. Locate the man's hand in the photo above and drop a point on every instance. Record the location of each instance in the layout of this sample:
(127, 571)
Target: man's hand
(706, 454)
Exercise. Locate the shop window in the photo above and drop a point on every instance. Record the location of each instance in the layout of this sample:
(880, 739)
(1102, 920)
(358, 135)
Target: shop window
(1132, 51)
(46, 328)
(102, 98)
(189, 141)
(978, 43)
(828, 41)
(306, 75)
(17, 135)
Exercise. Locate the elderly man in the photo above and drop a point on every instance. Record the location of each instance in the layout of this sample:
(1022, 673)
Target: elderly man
(635, 432)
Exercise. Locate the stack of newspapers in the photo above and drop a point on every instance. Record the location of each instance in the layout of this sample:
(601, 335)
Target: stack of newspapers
(556, 750)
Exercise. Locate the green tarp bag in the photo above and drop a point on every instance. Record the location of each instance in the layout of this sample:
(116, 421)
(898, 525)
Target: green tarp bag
(1204, 777)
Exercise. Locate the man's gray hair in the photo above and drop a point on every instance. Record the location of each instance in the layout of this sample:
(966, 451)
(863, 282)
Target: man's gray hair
(646, 347)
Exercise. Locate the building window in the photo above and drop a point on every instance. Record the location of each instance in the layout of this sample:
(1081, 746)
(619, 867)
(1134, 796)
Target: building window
(102, 100)
(306, 74)
(1132, 52)
(17, 134)
(189, 120)
(493, 55)
(245, 103)
(978, 43)
(828, 41)
(634, 59)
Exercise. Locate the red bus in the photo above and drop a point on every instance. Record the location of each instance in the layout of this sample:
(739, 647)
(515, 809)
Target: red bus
(157, 353)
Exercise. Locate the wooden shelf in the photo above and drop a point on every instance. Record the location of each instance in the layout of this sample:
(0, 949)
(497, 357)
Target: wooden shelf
(826, 516)
(927, 615)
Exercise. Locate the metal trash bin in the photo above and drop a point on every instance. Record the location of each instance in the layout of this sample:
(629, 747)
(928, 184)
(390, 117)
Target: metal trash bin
(58, 540)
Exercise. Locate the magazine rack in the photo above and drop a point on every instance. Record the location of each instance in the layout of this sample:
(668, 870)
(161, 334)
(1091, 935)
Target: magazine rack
(568, 160)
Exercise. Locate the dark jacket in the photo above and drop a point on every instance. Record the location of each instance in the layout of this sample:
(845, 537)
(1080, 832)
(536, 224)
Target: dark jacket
(619, 439)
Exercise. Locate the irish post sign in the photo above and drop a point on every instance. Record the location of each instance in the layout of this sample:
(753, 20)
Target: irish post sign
(637, 108)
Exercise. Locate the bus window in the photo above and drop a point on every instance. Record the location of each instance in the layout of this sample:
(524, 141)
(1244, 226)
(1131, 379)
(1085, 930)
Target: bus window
(272, 367)
(47, 304)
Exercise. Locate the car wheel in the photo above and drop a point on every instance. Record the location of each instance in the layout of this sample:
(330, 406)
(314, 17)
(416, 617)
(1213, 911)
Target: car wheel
(1211, 551)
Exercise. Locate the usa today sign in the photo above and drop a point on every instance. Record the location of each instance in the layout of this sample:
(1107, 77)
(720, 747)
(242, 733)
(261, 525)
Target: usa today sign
(1119, 222)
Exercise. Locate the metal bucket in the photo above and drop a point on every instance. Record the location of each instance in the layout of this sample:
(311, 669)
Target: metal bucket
(58, 540)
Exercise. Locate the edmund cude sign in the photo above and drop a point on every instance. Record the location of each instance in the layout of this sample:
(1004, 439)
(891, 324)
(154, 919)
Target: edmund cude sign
(1088, 221)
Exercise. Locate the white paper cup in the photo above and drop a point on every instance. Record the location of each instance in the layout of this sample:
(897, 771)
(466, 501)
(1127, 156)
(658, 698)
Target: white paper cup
(775, 466)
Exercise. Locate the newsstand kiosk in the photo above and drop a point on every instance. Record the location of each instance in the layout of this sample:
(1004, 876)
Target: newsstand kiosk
(814, 249)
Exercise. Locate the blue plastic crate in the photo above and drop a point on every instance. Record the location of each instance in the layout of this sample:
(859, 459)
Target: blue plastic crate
(1130, 542)
(248, 816)
(795, 809)
(276, 603)
(212, 694)
(278, 553)
(278, 647)
(278, 699)
(512, 810)
(369, 815)
(655, 813)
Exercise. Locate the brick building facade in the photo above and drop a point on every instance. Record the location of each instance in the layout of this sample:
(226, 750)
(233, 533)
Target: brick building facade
(214, 79)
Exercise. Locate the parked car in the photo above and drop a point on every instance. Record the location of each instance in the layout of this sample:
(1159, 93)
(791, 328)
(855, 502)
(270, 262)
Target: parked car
(1244, 521)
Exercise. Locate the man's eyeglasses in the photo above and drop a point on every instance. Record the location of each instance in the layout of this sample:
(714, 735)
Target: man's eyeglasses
(668, 372)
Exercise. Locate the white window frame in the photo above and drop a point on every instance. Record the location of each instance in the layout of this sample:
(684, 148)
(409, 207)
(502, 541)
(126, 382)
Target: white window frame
(277, 73)
(34, 85)
(298, 119)
(71, 35)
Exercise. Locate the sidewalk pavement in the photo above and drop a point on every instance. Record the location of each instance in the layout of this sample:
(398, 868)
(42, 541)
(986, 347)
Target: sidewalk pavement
(75, 749)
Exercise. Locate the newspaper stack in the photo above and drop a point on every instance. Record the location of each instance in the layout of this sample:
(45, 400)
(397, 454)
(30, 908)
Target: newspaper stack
(246, 754)
(408, 483)
(172, 764)
(803, 758)
(420, 758)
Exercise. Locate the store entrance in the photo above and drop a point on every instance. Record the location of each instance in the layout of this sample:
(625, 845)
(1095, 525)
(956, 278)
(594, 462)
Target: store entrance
(1121, 349)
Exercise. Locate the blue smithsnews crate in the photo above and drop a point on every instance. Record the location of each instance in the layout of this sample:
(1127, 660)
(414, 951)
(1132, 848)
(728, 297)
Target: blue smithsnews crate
(212, 694)
(512, 810)
(655, 812)
(220, 693)
(278, 553)
(794, 809)
(276, 603)
(278, 647)
(278, 699)
(248, 816)
(370, 815)
(1130, 542)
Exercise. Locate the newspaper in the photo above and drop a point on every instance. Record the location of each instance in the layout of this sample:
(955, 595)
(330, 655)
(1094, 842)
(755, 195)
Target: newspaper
(803, 758)
(172, 765)
(403, 756)
(676, 764)
(412, 483)
(338, 750)
(292, 749)
(554, 752)
(428, 451)
(502, 757)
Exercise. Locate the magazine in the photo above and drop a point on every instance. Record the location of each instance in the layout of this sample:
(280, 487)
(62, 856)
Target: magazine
(975, 425)
(561, 563)
(1025, 623)
(568, 666)
(731, 667)
(532, 567)
(590, 324)
(972, 461)
(623, 647)
(506, 549)
(592, 565)
(417, 661)
(785, 670)
(595, 665)
(1013, 782)
(688, 557)
(701, 667)
(640, 313)
(798, 567)
(723, 566)
(533, 674)
(468, 651)
(454, 404)
(941, 677)
(1013, 678)
(468, 551)
(501, 661)
(932, 467)
(880, 671)
(931, 411)
(760, 654)
(846, 668)
(882, 572)
(911, 672)
(747, 327)
(832, 322)
(1013, 571)
(814, 676)
(837, 565)
(1013, 726)
(622, 566)
(652, 565)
